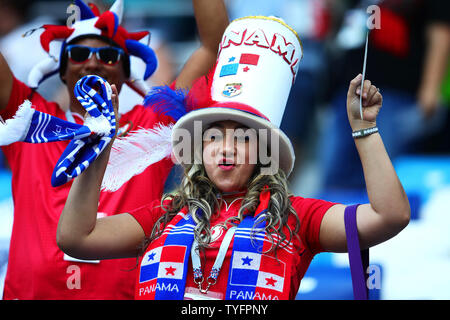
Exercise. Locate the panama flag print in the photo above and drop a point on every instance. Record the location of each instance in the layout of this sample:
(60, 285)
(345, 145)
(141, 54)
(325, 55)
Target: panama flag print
(253, 275)
(265, 277)
(163, 262)
(246, 60)
(163, 268)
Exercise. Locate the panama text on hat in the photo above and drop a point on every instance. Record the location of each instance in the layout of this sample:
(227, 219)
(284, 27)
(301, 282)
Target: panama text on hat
(257, 64)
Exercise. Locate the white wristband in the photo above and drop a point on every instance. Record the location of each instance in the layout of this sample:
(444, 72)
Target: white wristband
(364, 132)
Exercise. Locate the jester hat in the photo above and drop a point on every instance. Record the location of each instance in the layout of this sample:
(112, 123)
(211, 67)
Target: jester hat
(105, 26)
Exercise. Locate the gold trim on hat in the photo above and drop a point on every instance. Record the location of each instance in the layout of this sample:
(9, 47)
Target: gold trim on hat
(276, 20)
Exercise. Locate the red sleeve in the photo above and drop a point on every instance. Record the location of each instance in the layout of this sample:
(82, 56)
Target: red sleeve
(19, 93)
(310, 213)
(148, 215)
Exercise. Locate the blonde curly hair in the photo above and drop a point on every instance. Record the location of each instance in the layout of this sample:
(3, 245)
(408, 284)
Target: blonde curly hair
(197, 192)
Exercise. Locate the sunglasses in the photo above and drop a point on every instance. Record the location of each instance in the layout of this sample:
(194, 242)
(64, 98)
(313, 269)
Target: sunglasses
(106, 55)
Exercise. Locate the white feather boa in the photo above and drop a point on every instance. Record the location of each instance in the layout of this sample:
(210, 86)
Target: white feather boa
(132, 154)
(16, 128)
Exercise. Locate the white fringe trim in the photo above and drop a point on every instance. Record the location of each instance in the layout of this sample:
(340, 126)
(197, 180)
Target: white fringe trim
(99, 125)
(16, 128)
(134, 153)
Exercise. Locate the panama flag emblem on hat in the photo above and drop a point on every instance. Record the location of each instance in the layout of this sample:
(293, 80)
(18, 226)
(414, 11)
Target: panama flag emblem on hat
(232, 89)
(256, 67)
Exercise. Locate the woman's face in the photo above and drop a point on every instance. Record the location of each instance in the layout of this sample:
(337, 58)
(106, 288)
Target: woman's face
(229, 155)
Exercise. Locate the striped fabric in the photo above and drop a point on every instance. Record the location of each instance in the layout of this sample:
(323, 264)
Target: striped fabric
(163, 268)
(81, 152)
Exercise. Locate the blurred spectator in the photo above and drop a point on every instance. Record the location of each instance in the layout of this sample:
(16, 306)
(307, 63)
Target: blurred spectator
(13, 14)
(407, 59)
(438, 142)
(15, 20)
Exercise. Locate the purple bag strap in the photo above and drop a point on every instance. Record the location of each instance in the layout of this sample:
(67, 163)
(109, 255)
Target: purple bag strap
(359, 260)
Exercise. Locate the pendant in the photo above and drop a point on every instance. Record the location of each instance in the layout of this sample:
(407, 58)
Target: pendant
(210, 282)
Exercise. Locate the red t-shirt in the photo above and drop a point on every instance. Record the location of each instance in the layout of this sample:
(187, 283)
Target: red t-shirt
(37, 268)
(310, 212)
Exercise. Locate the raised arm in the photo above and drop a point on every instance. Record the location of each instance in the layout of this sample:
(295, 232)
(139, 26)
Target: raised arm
(388, 211)
(6, 80)
(435, 67)
(80, 234)
(212, 19)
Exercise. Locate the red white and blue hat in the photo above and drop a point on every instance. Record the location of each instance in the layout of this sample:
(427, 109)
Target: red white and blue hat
(256, 67)
(105, 26)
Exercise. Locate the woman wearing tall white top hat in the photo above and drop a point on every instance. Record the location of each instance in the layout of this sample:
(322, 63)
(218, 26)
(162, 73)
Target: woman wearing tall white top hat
(232, 230)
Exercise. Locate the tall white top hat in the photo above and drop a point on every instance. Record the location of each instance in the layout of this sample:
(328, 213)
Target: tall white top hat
(256, 67)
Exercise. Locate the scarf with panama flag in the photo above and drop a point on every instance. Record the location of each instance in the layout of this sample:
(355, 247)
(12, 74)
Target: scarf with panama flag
(253, 274)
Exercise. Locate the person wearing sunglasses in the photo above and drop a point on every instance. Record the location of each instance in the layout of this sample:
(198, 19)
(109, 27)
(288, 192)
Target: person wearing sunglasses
(109, 56)
(95, 45)
(93, 55)
(232, 230)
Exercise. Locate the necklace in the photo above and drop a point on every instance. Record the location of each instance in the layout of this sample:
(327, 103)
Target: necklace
(215, 270)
